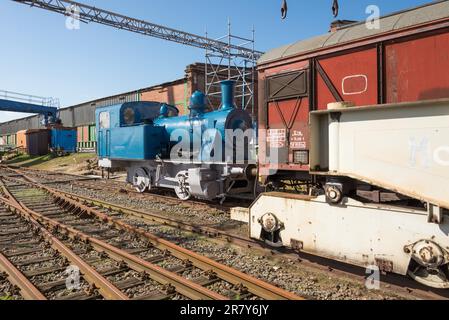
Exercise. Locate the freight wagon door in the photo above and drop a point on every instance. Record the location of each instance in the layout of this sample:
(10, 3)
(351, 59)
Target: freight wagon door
(288, 120)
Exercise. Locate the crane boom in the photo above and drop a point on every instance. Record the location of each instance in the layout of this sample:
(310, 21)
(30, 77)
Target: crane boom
(92, 14)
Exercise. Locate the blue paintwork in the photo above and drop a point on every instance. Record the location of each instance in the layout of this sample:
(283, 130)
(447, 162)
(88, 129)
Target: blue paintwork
(148, 135)
(144, 111)
(63, 139)
(227, 92)
(140, 140)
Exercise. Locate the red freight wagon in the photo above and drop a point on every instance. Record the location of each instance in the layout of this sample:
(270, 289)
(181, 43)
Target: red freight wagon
(405, 60)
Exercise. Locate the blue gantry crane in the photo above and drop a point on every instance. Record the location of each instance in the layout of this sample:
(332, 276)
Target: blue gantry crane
(17, 102)
(61, 139)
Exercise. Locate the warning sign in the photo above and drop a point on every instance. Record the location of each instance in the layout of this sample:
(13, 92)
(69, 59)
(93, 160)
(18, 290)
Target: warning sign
(277, 138)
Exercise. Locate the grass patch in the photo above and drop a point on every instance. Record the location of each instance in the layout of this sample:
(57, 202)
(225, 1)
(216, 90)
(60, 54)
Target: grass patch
(50, 161)
(66, 161)
(26, 161)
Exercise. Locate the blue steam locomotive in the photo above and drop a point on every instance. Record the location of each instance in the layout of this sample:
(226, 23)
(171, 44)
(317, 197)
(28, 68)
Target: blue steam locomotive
(206, 155)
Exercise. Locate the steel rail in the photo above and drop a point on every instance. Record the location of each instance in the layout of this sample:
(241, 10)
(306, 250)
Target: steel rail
(16, 277)
(158, 217)
(183, 286)
(255, 286)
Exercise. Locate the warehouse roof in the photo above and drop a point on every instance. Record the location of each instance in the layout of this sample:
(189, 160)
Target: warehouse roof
(357, 31)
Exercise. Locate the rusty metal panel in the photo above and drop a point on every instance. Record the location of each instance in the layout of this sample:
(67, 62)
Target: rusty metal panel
(286, 115)
(354, 77)
(288, 131)
(417, 69)
(287, 85)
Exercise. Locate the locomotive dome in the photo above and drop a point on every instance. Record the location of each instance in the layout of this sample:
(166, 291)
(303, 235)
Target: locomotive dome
(198, 101)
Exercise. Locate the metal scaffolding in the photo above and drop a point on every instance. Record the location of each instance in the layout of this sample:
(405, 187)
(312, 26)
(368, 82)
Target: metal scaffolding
(229, 65)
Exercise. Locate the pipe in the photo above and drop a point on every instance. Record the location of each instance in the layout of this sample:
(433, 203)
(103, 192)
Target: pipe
(227, 94)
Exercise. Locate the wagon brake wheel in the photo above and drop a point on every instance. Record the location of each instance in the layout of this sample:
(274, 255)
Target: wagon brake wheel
(436, 278)
(183, 189)
(141, 180)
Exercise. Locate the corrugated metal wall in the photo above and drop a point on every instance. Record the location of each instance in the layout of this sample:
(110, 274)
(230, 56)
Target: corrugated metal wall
(21, 124)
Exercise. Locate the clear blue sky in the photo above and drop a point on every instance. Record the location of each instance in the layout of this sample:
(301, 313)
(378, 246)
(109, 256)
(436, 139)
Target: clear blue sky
(40, 56)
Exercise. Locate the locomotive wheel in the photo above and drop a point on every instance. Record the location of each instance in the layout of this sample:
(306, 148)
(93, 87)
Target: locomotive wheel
(183, 189)
(141, 180)
(432, 278)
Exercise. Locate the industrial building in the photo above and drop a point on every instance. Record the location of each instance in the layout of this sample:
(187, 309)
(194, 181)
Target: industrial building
(82, 116)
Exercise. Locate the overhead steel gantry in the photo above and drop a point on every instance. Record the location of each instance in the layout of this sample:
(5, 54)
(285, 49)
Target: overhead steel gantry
(17, 102)
(92, 14)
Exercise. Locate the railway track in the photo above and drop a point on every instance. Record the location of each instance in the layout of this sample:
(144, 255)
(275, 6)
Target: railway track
(137, 253)
(36, 261)
(106, 271)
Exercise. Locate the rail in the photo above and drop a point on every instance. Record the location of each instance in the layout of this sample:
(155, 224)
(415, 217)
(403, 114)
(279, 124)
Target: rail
(254, 286)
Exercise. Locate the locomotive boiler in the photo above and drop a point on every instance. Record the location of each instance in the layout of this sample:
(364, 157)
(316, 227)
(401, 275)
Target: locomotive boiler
(206, 155)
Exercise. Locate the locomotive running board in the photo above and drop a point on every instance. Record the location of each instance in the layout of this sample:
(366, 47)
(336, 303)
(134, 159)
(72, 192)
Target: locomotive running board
(400, 147)
(354, 233)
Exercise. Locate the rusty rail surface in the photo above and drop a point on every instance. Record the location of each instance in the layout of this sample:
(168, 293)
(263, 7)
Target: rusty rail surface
(108, 290)
(235, 277)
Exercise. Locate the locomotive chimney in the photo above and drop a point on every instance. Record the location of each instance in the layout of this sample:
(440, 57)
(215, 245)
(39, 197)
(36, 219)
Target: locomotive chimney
(227, 94)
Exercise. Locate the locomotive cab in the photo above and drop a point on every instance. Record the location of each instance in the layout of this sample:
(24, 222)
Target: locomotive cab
(127, 132)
